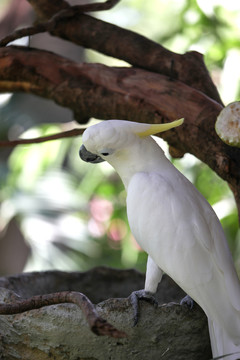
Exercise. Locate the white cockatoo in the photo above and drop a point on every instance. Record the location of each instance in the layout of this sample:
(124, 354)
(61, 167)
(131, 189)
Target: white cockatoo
(173, 223)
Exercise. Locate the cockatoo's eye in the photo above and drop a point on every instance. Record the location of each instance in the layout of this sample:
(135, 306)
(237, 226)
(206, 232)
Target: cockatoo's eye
(106, 152)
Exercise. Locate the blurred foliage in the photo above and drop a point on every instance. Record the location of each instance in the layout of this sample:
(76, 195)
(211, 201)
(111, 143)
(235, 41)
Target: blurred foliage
(72, 214)
(210, 27)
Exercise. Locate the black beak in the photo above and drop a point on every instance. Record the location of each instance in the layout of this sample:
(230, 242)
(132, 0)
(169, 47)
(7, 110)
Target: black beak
(88, 156)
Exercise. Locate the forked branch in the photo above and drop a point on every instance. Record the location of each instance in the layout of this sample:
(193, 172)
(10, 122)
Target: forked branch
(49, 25)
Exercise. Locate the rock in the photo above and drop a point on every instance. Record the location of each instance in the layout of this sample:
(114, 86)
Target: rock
(61, 332)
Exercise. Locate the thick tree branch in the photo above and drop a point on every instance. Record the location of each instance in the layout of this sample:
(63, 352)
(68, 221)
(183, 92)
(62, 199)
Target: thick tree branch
(114, 41)
(136, 50)
(126, 93)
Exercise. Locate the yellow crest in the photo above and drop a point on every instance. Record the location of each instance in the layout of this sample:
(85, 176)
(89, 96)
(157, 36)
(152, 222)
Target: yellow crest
(157, 128)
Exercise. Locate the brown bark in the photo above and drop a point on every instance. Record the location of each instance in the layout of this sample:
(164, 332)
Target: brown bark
(84, 30)
(135, 49)
(174, 85)
(126, 93)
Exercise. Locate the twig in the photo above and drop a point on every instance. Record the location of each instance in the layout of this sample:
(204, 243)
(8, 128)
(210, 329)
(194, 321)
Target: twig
(61, 135)
(20, 33)
(62, 14)
(97, 325)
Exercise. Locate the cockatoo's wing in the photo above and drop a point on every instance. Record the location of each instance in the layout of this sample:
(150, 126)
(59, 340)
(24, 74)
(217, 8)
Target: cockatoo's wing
(176, 226)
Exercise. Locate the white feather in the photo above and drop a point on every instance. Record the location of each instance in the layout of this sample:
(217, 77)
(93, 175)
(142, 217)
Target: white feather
(176, 226)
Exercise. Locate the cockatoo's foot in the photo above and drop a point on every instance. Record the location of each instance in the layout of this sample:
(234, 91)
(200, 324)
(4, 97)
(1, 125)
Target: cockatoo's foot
(187, 300)
(141, 295)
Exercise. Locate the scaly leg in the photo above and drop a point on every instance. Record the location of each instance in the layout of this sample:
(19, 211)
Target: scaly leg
(153, 277)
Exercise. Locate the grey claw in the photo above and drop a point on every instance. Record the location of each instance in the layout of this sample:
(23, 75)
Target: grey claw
(187, 300)
(141, 295)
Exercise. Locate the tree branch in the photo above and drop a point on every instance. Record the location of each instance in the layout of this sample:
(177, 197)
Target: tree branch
(69, 12)
(97, 325)
(125, 93)
(45, 9)
(61, 135)
(69, 23)
(20, 33)
(135, 49)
